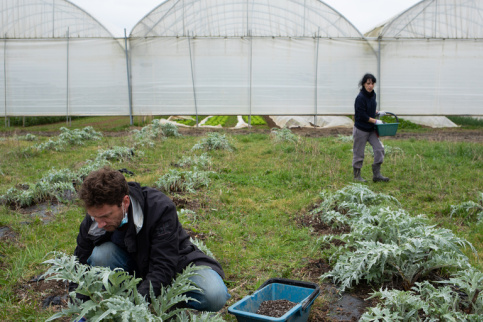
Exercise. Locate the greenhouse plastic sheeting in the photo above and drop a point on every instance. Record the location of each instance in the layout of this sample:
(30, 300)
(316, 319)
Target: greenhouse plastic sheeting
(432, 77)
(242, 18)
(35, 19)
(60, 77)
(231, 76)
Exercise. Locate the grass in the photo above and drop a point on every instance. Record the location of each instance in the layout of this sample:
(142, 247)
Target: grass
(248, 212)
(467, 121)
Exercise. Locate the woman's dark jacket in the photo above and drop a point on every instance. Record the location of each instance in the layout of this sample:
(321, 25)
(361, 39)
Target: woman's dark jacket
(365, 107)
(157, 242)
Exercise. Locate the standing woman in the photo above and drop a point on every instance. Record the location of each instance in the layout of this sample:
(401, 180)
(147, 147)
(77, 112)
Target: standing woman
(365, 130)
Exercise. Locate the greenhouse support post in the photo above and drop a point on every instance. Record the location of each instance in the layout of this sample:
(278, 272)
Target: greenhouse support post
(7, 120)
(251, 77)
(67, 118)
(379, 71)
(316, 75)
(193, 79)
(129, 89)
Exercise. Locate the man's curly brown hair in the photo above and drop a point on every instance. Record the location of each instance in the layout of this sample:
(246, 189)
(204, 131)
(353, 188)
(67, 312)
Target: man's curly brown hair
(103, 187)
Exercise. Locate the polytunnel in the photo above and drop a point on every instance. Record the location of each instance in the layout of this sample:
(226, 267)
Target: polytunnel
(58, 60)
(265, 57)
(432, 59)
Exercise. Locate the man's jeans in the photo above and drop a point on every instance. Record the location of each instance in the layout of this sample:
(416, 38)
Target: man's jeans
(214, 293)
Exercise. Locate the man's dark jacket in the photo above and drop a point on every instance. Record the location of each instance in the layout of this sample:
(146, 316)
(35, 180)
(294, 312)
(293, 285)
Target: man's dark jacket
(156, 241)
(365, 107)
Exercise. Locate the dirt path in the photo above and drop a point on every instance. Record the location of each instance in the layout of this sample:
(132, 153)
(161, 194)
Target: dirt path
(440, 134)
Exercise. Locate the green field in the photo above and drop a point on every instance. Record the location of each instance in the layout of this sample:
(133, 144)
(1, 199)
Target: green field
(248, 214)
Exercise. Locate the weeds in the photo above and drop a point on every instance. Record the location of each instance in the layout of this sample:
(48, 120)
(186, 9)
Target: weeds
(170, 130)
(344, 138)
(117, 153)
(28, 137)
(283, 135)
(183, 181)
(214, 141)
(469, 210)
(388, 150)
(202, 161)
(148, 134)
(69, 137)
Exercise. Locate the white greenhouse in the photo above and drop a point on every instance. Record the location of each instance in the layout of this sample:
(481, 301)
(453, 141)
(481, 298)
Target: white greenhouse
(58, 60)
(233, 57)
(431, 59)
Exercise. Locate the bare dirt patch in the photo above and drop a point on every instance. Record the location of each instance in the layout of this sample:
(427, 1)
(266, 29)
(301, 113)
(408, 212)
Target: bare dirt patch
(430, 134)
(47, 294)
(331, 304)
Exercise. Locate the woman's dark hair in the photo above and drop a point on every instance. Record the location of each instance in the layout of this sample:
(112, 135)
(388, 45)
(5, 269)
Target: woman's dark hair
(103, 187)
(365, 78)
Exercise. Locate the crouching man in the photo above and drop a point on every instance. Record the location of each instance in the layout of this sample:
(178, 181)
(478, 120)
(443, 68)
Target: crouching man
(137, 229)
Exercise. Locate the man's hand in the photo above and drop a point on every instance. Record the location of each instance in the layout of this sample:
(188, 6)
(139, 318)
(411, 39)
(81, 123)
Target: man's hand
(378, 122)
(381, 113)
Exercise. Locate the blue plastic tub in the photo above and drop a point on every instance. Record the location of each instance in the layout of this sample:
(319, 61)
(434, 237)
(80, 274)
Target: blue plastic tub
(302, 293)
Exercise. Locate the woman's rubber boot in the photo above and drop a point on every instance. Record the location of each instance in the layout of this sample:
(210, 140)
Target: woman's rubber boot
(376, 172)
(357, 175)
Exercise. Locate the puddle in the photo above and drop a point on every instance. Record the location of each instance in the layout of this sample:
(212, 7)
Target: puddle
(6, 232)
(46, 212)
(347, 308)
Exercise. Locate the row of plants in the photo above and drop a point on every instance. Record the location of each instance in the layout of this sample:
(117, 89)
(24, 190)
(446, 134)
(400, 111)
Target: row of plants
(150, 133)
(223, 119)
(388, 245)
(471, 212)
(176, 180)
(217, 120)
(69, 138)
(60, 185)
(113, 293)
(254, 120)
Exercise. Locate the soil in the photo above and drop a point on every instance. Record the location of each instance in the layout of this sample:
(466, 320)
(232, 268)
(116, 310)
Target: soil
(47, 294)
(331, 305)
(439, 134)
(276, 308)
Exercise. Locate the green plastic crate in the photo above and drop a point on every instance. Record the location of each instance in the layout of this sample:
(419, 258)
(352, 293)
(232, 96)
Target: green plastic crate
(387, 129)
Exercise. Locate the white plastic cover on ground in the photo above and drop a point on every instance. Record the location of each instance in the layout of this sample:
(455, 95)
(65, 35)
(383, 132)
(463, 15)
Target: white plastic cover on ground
(310, 121)
(241, 124)
(172, 121)
(333, 121)
(431, 121)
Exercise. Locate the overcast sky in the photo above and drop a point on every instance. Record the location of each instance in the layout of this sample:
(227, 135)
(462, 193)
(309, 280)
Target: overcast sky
(117, 15)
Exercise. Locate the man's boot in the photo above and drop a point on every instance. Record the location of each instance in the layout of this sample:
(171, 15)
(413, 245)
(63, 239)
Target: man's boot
(357, 175)
(377, 176)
